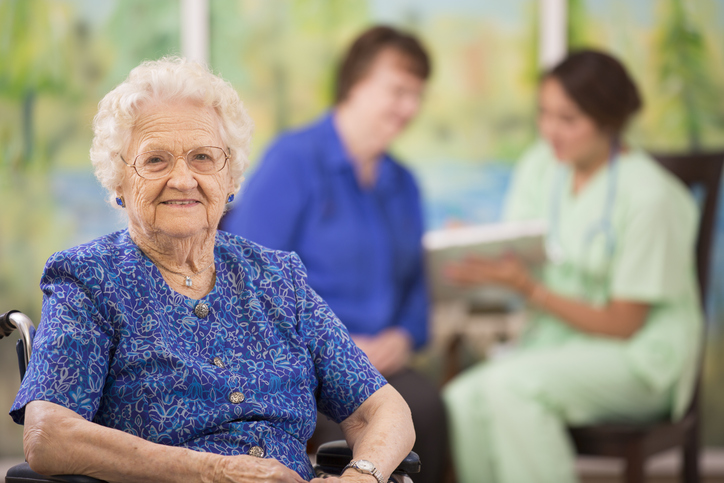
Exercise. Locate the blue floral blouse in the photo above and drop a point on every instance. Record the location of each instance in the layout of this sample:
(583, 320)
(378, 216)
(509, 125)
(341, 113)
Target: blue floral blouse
(118, 346)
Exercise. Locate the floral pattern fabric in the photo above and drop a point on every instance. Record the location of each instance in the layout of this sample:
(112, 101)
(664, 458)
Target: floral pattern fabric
(118, 346)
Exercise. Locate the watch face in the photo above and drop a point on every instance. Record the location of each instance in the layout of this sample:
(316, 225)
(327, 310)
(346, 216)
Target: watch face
(365, 465)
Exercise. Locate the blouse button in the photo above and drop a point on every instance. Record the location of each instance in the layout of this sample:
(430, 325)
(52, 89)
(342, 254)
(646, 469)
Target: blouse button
(201, 310)
(256, 451)
(236, 397)
(218, 362)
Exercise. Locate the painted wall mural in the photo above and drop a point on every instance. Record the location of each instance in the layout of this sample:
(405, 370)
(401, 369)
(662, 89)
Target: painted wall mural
(59, 57)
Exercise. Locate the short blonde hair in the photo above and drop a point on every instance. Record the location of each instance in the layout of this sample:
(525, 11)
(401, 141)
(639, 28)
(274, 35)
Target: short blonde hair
(167, 79)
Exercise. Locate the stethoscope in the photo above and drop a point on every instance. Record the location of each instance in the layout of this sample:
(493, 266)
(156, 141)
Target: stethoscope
(603, 226)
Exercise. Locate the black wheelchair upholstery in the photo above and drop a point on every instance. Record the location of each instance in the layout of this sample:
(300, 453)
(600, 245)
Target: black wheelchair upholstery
(331, 458)
(23, 474)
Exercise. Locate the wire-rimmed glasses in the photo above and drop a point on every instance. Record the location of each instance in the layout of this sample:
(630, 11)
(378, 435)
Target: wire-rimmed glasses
(159, 163)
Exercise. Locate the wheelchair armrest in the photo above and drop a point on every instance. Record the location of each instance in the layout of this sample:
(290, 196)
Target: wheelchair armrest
(23, 474)
(332, 457)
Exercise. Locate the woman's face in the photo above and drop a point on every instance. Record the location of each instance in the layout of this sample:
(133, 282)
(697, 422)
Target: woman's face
(183, 203)
(389, 96)
(574, 136)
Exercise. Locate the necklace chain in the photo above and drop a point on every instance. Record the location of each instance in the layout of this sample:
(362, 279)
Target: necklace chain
(188, 281)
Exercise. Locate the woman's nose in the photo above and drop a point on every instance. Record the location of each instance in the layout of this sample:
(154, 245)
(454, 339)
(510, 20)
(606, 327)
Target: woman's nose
(181, 177)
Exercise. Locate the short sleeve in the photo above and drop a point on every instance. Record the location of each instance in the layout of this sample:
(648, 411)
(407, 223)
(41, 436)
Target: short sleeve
(345, 376)
(655, 249)
(527, 196)
(70, 357)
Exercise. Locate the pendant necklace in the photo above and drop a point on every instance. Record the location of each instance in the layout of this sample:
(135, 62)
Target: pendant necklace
(188, 281)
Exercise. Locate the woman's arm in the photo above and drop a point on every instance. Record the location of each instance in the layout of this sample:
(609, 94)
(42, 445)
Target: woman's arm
(58, 441)
(380, 431)
(619, 318)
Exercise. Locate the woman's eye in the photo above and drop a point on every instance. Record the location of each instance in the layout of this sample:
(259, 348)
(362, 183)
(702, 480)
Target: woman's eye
(155, 163)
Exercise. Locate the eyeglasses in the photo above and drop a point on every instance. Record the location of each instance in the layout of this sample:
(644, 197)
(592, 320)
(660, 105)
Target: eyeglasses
(157, 164)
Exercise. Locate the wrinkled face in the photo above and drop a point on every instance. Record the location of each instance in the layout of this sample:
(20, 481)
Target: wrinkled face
(183, 203)
(574, 136)
(389, 96)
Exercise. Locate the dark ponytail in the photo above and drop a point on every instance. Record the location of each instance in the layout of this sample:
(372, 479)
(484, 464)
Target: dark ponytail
(601, 87)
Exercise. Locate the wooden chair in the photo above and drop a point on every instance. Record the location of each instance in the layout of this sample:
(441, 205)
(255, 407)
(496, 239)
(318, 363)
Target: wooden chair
(635, 443)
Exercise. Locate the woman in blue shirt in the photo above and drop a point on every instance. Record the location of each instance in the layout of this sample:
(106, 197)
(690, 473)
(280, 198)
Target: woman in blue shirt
(333, 194)
(170, 351)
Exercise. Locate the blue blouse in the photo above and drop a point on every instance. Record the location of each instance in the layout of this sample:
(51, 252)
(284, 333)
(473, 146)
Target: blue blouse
(361, 246)
(118, 346)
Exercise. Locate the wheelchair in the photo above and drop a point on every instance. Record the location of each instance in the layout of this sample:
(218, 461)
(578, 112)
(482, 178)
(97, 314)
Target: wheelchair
(331, 457)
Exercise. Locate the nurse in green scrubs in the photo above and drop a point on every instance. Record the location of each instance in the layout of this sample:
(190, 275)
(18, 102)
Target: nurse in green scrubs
(616, 323)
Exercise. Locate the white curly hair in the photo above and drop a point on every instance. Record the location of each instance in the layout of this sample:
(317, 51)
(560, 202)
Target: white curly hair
(167, 79)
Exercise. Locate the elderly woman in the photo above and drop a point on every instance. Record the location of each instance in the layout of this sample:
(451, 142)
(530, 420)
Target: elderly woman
(171, 351)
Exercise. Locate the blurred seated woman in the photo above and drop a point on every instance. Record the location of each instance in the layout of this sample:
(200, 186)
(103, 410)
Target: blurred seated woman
(332, 192)
(170, 351)
(614, 334)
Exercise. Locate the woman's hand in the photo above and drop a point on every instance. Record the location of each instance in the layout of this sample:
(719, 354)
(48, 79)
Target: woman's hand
(348, 477)
(507, 271)
(389, 351)
(250, 469)
(619, 318)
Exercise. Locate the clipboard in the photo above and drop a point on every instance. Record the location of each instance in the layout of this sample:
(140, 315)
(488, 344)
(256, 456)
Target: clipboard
(526, 239)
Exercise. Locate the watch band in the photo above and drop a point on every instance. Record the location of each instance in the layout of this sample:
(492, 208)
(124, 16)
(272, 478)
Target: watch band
(366, 467)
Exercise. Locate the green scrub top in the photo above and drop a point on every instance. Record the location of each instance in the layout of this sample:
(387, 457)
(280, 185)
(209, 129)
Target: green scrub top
(647, 255)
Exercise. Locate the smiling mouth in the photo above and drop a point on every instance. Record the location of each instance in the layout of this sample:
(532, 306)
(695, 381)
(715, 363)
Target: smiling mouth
(179, 202)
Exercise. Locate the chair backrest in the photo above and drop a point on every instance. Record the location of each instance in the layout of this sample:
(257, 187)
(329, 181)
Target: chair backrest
(700, 171)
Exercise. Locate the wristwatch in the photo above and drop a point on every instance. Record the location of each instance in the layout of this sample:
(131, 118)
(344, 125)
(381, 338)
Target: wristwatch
(366, 467)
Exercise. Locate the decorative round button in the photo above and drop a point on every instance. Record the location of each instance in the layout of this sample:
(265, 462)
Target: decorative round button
(218, 362)
(201, 310)
(236, 397)
(256, 451)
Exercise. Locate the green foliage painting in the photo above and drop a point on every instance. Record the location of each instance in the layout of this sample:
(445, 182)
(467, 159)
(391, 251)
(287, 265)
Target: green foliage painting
(687, 78)
(674, 49)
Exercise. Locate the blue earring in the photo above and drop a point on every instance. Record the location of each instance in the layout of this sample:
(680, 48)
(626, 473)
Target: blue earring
(120, 202)
(231, 198)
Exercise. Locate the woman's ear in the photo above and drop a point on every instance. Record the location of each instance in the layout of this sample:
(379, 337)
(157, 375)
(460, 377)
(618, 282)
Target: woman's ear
(235, 185)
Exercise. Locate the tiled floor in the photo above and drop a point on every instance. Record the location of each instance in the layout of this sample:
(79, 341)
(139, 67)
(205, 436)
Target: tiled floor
(662, 469)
